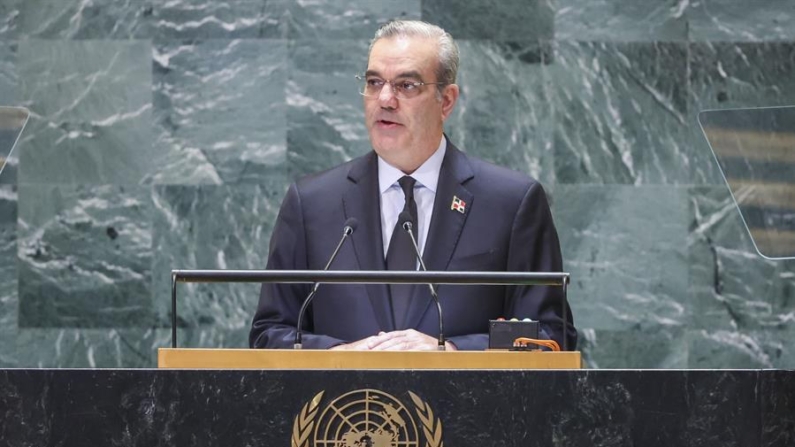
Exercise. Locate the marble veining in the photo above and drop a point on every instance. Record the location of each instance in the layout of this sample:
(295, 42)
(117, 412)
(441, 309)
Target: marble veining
(739, 21)
(611, 289)
(733, 287)
(638, 21)
(219, 108)
(91, 104)
(8, 266)
(502, 114)
(325, 117)
(212, 227)
(202, 19)
(353, 19)
(503, 20)
(84, 257)
(661, 347)
(620, 113)
(73, 19)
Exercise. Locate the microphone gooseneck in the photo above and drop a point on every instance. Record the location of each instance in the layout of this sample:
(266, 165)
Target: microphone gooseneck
(347, 230)
(407, 225)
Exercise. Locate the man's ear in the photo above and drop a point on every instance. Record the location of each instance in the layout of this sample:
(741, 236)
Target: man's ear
(449, 98)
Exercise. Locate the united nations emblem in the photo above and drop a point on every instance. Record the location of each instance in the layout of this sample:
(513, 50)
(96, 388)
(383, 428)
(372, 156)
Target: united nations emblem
(366, 418)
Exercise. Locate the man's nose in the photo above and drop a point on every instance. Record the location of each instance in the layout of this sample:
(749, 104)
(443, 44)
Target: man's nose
(387, 95)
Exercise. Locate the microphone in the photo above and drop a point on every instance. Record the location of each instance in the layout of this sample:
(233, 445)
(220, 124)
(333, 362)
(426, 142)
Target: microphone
(347, 230)
(405, 217)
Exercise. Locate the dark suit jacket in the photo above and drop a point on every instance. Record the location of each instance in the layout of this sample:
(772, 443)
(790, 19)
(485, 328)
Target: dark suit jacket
(507, 226)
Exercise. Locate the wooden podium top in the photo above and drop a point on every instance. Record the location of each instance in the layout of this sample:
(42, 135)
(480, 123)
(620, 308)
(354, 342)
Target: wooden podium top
(323, 359)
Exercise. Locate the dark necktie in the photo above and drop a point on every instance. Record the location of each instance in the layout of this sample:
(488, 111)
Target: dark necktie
(401, 255)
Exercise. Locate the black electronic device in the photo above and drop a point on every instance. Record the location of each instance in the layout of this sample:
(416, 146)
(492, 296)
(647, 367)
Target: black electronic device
(502, 333)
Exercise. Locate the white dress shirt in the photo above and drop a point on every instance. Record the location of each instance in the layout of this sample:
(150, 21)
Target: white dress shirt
(393, 199)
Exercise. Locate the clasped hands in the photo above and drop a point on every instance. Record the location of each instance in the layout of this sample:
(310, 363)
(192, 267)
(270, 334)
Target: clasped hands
(406, 340)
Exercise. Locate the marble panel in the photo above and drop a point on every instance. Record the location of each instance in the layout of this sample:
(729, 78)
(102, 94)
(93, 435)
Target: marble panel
(665, 408)
(736, 75)
(9, 300)
(9, 76)
(778, 408)
(625, 248)
(11, 169)
(104, 348)
(144, 19)
(84, 256)
(502, 113)
(82, 348)
(718, 407)
(325, 112)
(731, 286)
(208, 19)
(620, 112)
(232, 336)
(75, 19)
(91, 112)
(504, 20)
(9, 200)
(219, 108)
(739, 21)
(649, 348)
(9, 12)
(352, 19)
(741, 349)
(9, 96)
(621, 21)
(212, 227)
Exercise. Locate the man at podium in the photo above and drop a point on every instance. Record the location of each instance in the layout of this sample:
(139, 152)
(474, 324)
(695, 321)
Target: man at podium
(465, 214)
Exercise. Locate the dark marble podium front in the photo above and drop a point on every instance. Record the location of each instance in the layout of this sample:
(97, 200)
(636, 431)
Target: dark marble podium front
(475, 408)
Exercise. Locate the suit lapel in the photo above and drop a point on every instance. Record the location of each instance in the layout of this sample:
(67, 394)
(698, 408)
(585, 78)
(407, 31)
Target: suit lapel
(362, 201)
(446, 224)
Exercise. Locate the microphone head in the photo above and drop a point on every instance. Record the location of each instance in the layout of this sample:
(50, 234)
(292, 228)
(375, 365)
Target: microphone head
(350, 226)
(405, 220)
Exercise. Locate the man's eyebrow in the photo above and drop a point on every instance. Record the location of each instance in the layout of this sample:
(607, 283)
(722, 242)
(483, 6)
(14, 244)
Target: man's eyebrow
(406, 74)
(410, 74)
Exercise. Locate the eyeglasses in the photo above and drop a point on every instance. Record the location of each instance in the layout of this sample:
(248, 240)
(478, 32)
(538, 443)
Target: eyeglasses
(402, 89)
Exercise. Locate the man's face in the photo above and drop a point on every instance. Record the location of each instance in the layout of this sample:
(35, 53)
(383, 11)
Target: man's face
(406, 131)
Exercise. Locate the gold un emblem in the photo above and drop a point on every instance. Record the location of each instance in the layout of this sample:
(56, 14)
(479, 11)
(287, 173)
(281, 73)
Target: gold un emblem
(366, 418)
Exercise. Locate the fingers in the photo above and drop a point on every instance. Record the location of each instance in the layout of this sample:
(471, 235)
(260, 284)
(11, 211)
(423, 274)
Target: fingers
(392, 341)
(359, 345)
(407, 340)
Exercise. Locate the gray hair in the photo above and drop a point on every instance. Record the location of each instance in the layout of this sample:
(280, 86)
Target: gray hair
(448, 50)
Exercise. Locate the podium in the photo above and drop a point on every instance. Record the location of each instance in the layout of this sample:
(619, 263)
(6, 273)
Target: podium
(373, 397)
(459, 407)
(364, 360)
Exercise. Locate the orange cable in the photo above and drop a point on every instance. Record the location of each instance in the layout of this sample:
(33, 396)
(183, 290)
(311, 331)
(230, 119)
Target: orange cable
(522, 342)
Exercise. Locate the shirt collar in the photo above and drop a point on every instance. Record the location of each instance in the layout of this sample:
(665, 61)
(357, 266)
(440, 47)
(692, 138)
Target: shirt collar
(427, 174)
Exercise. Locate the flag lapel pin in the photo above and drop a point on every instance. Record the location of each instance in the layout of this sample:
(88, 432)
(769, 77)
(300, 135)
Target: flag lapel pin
(458, 205)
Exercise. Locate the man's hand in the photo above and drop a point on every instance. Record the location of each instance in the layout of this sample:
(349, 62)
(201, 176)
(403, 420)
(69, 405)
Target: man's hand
(360, 345)
(407, 340)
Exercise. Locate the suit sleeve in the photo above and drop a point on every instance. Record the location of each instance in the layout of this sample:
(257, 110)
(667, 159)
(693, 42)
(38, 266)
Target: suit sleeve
(535, 247)
(277, 313)
(470, 342)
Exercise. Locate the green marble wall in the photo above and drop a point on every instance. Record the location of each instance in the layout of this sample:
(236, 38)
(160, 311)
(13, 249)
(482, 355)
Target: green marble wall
(164, 134)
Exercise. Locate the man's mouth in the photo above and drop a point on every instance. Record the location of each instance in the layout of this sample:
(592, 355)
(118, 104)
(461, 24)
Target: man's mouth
(387, 123)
